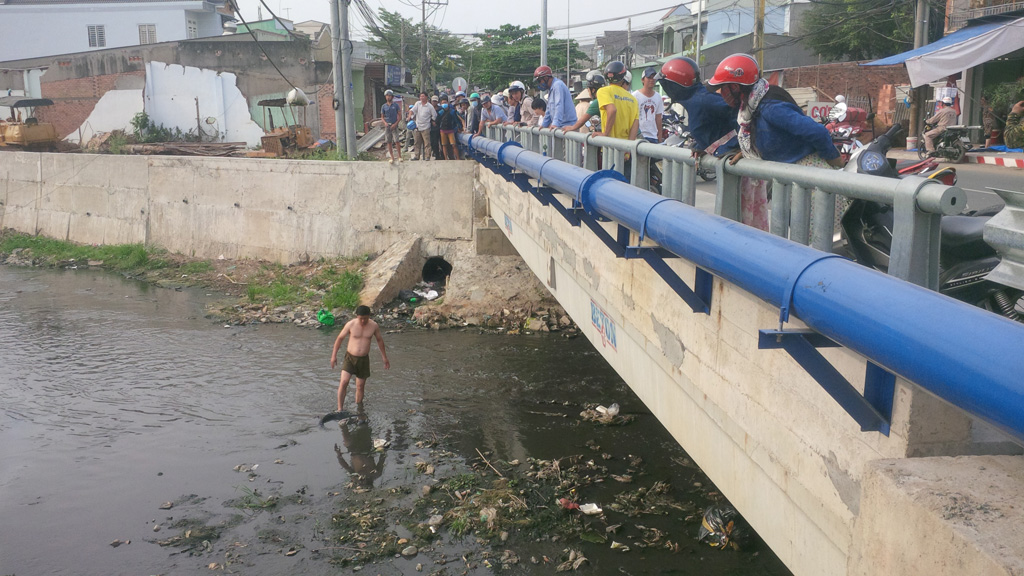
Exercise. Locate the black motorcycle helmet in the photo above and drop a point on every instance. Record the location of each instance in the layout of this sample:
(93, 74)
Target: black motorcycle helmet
(614, 72)
(595, 81)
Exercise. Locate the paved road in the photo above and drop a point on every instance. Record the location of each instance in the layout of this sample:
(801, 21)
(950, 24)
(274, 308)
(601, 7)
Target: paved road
(975, 179)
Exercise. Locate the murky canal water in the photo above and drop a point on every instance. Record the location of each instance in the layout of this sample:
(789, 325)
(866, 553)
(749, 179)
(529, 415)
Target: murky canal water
(116, 397)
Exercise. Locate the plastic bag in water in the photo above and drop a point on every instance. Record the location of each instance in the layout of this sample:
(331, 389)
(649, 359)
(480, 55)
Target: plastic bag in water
(723, 527)
(325, 317)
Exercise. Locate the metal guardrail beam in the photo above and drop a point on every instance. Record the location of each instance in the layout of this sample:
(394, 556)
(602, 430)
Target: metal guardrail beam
(965, 355)
(918, 203)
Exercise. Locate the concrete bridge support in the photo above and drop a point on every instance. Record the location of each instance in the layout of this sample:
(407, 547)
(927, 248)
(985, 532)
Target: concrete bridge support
(788, 456)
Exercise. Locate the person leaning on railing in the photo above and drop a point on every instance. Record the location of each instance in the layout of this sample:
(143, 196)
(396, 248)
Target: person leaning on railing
(592, 115)
(712, 122)
(619, 110)
(491, 114)
(560, 111)
(1013, 134)
(771, 127)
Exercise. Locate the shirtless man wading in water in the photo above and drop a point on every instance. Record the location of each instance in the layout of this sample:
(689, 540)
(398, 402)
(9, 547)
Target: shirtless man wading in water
(357, 354)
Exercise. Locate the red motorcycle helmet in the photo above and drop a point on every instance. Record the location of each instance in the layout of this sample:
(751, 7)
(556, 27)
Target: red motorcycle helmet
(679, 79)
(682, 71)
(542, 71)
(736, 69)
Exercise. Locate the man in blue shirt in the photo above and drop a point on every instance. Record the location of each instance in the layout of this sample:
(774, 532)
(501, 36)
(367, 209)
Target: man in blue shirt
(391, 113)
(561, 111)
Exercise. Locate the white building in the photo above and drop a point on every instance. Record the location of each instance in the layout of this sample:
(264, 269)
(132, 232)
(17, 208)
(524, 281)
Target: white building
(34, 28)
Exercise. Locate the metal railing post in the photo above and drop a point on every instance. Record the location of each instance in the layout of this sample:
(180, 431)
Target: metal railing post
(916, 237)
(800, 214)
(727, 201)
(591, 155)
(780, 208)
(640, 172)
(823, 218)
(686, 177)
(557, 145)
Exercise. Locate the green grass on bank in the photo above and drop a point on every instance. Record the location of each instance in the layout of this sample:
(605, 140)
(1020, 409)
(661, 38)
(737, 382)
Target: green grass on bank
(121, 257)
(331, 286)
(329, 283)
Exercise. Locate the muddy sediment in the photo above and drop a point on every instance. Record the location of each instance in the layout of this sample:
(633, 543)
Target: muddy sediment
(488, 293)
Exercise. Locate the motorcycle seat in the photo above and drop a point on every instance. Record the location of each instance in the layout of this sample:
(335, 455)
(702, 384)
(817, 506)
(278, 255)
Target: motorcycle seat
(901, 164)
(962, 236)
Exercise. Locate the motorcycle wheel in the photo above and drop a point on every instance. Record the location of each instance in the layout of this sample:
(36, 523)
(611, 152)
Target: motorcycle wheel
(708, 175)
(921, 153)
(957, 153)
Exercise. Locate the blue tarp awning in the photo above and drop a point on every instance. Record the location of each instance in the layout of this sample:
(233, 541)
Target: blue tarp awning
(963, 49)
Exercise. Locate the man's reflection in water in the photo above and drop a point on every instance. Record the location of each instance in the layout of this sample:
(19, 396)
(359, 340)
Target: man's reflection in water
(357, 437)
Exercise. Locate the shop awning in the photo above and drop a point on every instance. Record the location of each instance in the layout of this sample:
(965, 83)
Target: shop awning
(963, 49)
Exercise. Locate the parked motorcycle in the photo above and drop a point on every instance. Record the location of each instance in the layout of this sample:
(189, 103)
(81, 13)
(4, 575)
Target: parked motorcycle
(964, 257)
(952, 145)
(845, 139)
(846, 132)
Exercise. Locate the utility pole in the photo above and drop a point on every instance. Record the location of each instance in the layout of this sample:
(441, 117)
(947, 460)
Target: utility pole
(425, 43)
(917, 94)
(568, 44)
(629, 43)
(346, 71)
(544, 33)
(423, 48)
(698, 40)
(758, 47)
(339, 94)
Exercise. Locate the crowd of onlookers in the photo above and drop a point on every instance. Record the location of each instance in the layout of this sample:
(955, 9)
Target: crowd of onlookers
(735, 114)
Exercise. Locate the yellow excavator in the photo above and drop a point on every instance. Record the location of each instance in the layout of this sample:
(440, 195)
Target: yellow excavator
(22, 130)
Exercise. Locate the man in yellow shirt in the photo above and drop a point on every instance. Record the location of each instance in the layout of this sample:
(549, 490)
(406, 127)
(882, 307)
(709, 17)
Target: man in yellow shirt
(620, 113)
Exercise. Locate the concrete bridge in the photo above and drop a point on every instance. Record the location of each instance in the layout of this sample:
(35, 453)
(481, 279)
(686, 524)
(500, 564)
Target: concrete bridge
(926, 489)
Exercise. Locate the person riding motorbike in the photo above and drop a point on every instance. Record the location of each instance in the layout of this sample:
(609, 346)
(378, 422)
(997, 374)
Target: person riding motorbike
(838, 112)
(938, 123)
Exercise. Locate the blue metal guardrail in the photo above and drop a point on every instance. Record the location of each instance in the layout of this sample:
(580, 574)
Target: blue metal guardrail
(962, 354)
(803, 198)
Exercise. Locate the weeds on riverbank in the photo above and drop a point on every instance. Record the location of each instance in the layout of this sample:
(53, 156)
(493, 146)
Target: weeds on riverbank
(58, 253)
(330, 286)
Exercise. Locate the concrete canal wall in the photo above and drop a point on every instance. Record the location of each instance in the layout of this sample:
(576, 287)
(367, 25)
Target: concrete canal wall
(791, 460)
(278, 210)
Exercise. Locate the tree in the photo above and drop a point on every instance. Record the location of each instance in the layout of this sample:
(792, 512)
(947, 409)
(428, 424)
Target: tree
(864, 29)
(512, 53)
(446, 50)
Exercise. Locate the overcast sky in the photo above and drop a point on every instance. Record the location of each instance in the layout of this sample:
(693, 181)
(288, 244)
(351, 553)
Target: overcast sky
(471, 16)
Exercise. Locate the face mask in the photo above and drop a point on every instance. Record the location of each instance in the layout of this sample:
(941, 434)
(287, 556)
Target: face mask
(474, 103)
(445, 105)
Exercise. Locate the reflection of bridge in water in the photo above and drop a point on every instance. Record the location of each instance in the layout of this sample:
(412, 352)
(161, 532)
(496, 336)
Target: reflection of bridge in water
(803, 384)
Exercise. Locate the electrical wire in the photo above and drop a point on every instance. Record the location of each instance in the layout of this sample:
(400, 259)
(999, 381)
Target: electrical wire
(290, 32)
(260, 46)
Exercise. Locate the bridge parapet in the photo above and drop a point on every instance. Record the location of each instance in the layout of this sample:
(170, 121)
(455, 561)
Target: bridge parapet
(802, 196)
(778, 445)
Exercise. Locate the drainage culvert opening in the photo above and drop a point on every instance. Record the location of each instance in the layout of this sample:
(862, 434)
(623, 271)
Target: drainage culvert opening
(436, 271)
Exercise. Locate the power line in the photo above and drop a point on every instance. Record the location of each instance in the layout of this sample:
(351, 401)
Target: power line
(260, 46)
